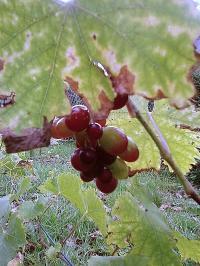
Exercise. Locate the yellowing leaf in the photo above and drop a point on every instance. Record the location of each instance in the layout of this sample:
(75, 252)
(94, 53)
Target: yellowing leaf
(189, 249)
(144, 228)
(183, 143)
(42, 42)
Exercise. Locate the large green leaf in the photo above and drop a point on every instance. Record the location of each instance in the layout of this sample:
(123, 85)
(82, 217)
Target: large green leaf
(86, 200)
(11, 240)
(42, 42)
(183, 143)
(140, 224)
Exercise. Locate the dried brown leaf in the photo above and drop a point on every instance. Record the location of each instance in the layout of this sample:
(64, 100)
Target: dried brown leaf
(30, 138)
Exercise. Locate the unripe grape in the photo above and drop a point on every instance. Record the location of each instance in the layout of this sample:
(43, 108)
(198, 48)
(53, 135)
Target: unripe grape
(119, 169)
(113, 141)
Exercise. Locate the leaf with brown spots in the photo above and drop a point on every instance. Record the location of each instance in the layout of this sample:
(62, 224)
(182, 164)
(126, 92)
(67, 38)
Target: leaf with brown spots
(30, 138)
(148, 42)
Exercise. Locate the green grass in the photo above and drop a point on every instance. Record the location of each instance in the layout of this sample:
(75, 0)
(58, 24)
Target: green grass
(60, 217)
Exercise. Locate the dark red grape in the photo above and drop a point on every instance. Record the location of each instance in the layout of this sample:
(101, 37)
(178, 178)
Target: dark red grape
(101, 122)
(105, 176)
(86, 177)
(95, 131)
(105, 157)
(77, 163)
(81, 138)
(79, 118)
(88, 155)
(120, 100)
(107, 187)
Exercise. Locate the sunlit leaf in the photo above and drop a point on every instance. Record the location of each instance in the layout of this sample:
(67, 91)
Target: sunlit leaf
(42, 42)
(144, 228)
(183, 143)
(189, 249)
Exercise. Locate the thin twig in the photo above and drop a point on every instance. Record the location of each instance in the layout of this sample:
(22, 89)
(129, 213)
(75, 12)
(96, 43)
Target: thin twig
(164, 151)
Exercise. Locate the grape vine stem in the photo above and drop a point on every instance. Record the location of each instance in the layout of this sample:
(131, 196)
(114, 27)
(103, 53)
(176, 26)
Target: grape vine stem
(156, 135)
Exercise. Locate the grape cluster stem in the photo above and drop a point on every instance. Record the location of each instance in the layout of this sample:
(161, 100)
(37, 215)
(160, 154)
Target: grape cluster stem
(161, 144)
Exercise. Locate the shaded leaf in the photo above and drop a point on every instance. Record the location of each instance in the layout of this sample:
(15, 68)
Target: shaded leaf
(29, 210)
(106, 261)
(24, 186)
(4, 207)
(129, 260)
(11, 240)
(42, 43)
(30, 138)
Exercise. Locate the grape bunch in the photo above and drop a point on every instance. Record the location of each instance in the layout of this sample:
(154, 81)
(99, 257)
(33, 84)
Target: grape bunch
(101, 150)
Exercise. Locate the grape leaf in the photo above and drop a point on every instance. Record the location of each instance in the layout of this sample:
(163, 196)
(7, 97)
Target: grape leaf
(50, 185)
(45, 42)
(11, 239)
(189, 249)
(168, 120)
(29, 210)
(118, 261)
(70, 186)
(25, 185)
(144, 228)
(4, 206)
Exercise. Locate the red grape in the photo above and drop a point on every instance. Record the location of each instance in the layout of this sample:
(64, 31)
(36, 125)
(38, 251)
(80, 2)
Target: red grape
(59, 129)
(86, 177)
(131, 153)
(113, 141)
(107, 187)
(77, 163)
(105, 176)
(120, 100)
(79, 118)
(101, 122)
(88, 155)
(81, 138)
(95, 131)
(105, 157)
